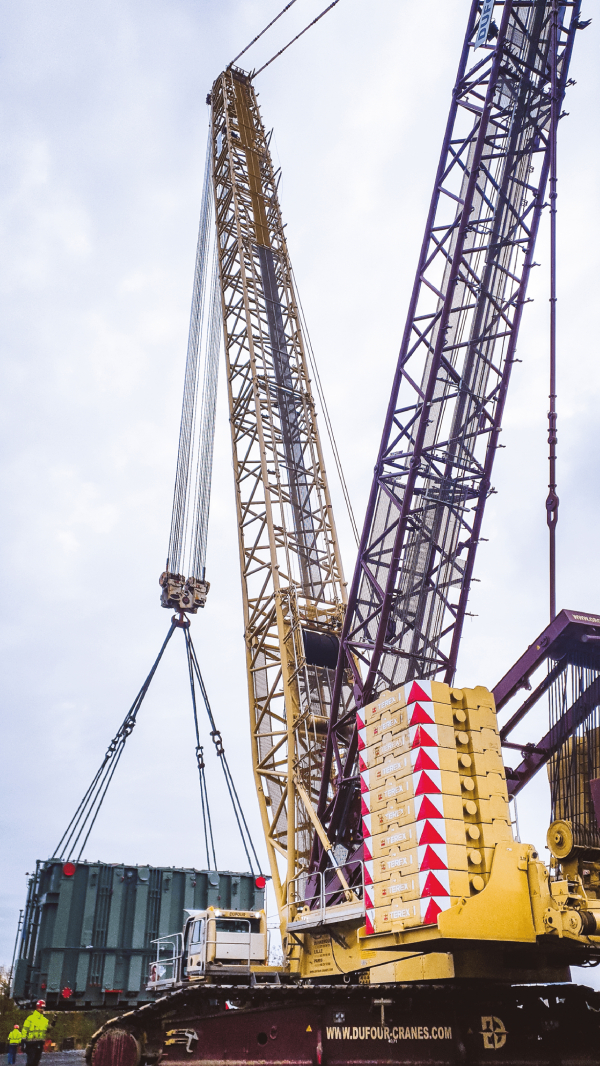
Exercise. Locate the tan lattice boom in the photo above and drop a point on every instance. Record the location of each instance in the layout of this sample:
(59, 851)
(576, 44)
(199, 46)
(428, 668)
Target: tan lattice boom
(291, 569)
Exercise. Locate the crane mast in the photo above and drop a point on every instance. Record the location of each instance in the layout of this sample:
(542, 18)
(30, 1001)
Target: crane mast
(292, 578)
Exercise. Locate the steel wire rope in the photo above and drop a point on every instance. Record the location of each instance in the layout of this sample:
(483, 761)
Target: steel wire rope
(218, 742)
(66, 838)
(206, 819)
(207, 425)
(87, 805)
(91, 798)
(328, 424)
(97, 790)
(108, 779)
(201, 443)
(552, 500)
(183, 566)
(220, 750)
(205, 808)
(288, 45)
(190, 388)
(259, 35)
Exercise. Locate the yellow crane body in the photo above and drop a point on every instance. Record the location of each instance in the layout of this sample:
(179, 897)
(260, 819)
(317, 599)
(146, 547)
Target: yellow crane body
(447, 890)
(439, 879)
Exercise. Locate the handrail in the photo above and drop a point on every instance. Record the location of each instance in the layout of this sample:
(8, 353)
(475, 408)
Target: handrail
(159, 968)
(324, 890)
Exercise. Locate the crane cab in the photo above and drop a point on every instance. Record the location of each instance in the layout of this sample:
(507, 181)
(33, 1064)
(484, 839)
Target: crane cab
(231, 940)
(212, 942)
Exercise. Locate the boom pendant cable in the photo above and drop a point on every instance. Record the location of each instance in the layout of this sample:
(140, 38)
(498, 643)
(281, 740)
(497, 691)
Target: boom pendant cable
(290, 43)
(328, 424)
(259, 35)
(552, 498)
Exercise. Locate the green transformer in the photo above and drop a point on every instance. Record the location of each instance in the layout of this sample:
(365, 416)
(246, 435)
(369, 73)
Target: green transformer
(88, 927)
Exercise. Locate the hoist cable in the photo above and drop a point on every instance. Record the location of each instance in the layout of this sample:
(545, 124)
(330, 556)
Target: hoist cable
(94, 795)
(207, 425)
(328, 424)
(218, 742)
(206, 819)
(288, 45)
(259, 35)
(190, 388)
(189, 520)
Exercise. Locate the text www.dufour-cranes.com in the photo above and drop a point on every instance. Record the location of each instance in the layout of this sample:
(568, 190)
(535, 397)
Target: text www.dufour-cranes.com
(388, 1032)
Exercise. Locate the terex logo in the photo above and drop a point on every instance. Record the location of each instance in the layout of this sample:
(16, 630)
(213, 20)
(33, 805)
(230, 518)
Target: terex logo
(493, 1032)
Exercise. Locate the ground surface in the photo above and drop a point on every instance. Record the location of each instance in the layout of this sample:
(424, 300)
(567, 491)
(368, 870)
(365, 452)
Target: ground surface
(63, 1058)
(55, 1058)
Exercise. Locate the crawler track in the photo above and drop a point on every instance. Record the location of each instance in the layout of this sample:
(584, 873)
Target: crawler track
(463, 1023)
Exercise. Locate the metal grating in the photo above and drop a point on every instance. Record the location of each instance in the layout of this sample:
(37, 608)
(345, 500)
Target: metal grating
(578, 760)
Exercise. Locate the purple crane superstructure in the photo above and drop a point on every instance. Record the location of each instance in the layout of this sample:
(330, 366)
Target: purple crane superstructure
(410, 589)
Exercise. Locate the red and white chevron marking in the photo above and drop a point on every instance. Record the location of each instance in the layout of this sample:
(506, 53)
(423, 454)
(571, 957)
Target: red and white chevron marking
(428, 830)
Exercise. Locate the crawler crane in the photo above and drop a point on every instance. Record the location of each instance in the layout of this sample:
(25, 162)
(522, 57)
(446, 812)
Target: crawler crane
(415, 927)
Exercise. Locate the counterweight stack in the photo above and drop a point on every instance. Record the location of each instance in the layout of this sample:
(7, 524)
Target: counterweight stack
(292, 579)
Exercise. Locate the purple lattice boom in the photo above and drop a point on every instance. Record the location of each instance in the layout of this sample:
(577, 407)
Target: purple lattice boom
(411, 584)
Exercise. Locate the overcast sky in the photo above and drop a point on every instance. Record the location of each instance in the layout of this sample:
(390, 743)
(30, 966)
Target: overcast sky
(103, 131)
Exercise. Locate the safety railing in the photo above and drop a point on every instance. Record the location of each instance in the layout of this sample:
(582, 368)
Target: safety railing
(165, 971)
(333, 892)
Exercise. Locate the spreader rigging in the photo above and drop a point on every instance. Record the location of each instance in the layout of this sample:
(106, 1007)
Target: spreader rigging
(72, 844)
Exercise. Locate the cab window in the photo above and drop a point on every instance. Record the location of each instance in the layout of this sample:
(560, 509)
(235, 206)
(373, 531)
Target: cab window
(197, 933)
(238, 925)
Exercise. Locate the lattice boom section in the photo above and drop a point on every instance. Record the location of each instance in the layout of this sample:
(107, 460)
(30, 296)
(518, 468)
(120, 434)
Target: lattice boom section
(410, 589)
(291, 571)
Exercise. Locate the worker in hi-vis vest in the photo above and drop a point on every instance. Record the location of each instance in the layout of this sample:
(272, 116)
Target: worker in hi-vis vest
(34, 1033)
(14, 1039)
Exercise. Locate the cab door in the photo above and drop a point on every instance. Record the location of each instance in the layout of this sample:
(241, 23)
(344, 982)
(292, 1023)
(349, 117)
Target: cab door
(196, 953)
